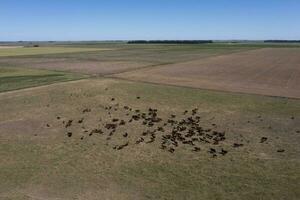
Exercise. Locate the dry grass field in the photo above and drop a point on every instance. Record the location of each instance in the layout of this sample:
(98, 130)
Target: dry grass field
(10, 47)
(102, 137)
(14, 51)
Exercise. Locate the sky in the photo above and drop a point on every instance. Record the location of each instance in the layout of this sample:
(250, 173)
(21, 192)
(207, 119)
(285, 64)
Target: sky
(148, 19)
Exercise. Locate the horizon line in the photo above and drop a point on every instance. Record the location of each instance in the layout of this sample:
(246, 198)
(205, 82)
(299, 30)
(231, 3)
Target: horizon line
(126, 40)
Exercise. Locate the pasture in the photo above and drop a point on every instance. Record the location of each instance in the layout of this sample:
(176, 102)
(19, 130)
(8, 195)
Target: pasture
(18, 78)
(140, 123)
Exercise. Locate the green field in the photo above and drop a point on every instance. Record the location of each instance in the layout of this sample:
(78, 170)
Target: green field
(51, 146)
(18, 78)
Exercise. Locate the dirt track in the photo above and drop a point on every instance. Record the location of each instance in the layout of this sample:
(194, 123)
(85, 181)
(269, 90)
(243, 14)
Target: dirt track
(274, 72)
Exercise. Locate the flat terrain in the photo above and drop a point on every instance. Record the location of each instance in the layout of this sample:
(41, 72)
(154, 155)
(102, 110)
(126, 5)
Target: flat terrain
(18, 78)
(10, 47)
(13, 51)
(91, 60)
(97, 136)
(268, 71)
(42, 161)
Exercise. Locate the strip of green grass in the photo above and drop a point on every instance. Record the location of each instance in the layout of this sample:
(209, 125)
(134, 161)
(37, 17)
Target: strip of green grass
(15, 78)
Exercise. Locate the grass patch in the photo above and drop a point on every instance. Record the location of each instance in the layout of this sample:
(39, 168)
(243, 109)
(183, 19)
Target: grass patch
(185, 97)
(16, 78)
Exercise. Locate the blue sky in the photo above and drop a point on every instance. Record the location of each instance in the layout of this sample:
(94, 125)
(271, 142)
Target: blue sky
(148, 19)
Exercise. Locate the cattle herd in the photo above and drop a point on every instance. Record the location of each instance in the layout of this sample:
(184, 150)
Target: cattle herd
(184, 131)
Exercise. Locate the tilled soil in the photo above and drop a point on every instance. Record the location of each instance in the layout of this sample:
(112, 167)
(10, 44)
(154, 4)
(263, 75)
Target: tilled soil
(274, 72)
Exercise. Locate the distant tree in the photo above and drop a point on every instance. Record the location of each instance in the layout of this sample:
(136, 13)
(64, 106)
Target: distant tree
(36, 45)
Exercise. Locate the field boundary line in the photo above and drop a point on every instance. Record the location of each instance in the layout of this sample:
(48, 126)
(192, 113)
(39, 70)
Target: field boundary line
(205, 89)
(42, 86)
(180, 62)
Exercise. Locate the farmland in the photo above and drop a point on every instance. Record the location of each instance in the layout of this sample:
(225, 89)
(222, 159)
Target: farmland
(274, 72)
(120, 58)
(42, 50)
(150, 122)
(18, 78)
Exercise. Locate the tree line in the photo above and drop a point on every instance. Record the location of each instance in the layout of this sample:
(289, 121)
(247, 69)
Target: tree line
(282, 41)
(170, 42)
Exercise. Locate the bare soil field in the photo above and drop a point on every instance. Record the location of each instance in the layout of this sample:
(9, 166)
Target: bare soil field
(121, 59)
(92, 67)
(268, 71)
